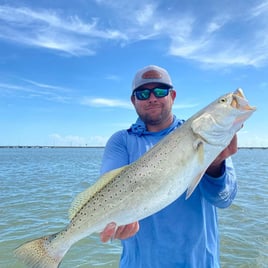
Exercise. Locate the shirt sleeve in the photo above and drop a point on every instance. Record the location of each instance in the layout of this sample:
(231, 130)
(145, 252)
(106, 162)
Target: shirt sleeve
(115, 153)
(220, 191)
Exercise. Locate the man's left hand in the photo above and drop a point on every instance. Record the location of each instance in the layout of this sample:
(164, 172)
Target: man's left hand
(214, 169)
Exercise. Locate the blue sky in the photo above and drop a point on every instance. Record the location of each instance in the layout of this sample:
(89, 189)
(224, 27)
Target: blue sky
(66, 67)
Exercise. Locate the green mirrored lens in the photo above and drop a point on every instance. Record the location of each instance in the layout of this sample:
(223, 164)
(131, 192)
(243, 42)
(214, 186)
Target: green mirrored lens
(144, 94)
(160, 92)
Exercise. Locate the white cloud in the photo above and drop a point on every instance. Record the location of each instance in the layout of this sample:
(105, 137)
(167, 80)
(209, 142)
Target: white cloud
(212, 35)
(25, 88)
(113, 77)
(260, 9)
(46, 86)
(97, 141)
(145, 14)
(56, 139)
(185, 105)
(225, 38)
(250, 140)
(103, 102)
(47, 29)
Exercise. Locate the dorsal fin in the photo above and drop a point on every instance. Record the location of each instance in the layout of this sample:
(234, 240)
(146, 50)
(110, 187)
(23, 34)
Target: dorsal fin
(84, 196)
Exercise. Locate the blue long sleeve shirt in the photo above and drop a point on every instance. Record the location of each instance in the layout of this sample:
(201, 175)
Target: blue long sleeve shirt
(185, 233)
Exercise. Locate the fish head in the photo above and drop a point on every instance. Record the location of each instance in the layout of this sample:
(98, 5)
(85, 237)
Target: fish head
(242, 109)
(218, 122)
(233, 110)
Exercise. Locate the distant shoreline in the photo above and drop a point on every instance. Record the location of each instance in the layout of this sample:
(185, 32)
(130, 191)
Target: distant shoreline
(85, 147)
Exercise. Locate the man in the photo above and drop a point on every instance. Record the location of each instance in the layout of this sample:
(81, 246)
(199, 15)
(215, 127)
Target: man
(185, 233)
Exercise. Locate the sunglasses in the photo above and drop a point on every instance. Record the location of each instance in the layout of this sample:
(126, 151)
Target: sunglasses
(145, 93)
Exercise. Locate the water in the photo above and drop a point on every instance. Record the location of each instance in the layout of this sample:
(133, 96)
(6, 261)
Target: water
(38, 184)
(244, 226)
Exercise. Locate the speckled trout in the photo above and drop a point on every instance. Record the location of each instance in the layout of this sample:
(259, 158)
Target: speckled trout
(173, 166)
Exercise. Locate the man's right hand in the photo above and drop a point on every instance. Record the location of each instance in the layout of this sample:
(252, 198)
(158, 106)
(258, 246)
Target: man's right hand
(111, 231)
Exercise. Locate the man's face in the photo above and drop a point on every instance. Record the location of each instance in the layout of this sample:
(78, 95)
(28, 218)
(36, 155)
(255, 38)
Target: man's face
(154, 111)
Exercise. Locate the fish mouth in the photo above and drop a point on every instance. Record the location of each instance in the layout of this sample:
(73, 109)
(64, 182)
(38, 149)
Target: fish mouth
(240, 102)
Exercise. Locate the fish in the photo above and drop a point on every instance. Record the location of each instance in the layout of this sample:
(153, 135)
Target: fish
(172, 167)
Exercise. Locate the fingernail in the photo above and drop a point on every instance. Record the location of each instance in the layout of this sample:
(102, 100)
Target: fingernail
(111, 226)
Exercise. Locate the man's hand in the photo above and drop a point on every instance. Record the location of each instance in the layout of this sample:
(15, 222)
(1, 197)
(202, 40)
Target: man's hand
(122, 232)
(214, 169)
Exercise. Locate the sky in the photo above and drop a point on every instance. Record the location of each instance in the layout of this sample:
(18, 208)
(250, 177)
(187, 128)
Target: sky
(66, 67)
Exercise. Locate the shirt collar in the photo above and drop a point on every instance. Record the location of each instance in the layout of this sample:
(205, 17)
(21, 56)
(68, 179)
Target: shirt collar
(139, 128)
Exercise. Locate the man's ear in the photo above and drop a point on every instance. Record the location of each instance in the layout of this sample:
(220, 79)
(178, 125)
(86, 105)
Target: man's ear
(173, 94)
(133, 100)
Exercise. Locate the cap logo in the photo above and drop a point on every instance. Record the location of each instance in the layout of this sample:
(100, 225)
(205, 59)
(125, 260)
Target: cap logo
(152, 74)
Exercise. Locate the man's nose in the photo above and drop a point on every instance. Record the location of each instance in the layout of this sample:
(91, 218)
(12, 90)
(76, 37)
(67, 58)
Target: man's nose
(152, 97)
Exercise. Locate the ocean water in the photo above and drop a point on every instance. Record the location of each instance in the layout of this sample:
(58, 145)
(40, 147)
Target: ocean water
(37, 186)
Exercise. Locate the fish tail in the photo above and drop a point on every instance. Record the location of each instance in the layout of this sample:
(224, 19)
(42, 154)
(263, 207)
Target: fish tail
(44, 252)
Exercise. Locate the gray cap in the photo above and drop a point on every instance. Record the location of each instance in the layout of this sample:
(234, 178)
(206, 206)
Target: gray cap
(151, 74)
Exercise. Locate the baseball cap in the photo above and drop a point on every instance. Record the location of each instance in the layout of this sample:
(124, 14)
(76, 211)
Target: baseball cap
(151, 74)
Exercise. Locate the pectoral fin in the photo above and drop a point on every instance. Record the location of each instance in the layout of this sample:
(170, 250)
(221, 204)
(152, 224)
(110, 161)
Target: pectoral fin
(199, 146)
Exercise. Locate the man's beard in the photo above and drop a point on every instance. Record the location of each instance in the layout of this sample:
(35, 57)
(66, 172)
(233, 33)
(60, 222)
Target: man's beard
(153, 120)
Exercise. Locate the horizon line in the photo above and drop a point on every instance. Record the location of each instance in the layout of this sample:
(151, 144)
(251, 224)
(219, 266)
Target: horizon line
(94, 146)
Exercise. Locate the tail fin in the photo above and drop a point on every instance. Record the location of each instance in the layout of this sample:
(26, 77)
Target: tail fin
(41, 253)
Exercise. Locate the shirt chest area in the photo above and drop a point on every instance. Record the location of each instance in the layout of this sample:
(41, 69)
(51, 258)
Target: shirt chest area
(139, 145)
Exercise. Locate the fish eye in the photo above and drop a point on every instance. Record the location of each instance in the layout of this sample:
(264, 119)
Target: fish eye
(222, 100)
